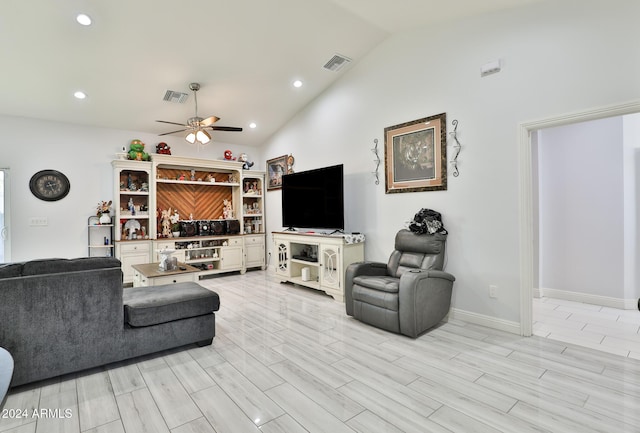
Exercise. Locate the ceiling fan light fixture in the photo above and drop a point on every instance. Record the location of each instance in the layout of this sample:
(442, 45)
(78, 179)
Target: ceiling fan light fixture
(191, 137)
(198, 136)
(202, 136)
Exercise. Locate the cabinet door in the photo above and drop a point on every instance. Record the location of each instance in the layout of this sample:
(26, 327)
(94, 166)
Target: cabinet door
(330, 267)
(282, 265)
(254, 251)
(130, 259)
(135, 253)
(231, 258)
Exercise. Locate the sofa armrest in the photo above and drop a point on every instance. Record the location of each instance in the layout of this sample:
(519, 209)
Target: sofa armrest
(357, 269)
(424, 300)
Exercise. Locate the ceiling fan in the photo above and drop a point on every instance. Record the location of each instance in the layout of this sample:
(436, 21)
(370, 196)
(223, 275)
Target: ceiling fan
(197, 126)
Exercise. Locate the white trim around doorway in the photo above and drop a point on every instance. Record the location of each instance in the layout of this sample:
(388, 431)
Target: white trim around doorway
(526, 194)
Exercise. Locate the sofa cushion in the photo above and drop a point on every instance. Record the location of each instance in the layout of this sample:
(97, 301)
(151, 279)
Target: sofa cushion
(10, 270)
(56, 266)
(146, 306)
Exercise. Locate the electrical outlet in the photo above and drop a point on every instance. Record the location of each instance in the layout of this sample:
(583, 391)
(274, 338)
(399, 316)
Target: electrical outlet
(38, 221)
(493, 291)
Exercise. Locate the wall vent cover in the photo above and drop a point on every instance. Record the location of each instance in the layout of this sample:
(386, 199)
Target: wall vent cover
(337, 62)
(173, 96)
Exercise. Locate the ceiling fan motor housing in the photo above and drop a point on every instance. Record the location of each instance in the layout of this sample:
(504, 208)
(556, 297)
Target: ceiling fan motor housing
(194, 122)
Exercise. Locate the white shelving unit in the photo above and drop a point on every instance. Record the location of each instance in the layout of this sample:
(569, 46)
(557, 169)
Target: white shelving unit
(100, 238)
(132, 203)
(198, 189)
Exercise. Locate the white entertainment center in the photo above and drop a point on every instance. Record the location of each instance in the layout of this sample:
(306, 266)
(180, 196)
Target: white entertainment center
(316, 260)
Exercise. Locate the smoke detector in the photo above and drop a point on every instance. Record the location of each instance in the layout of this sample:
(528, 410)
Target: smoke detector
(336, 63)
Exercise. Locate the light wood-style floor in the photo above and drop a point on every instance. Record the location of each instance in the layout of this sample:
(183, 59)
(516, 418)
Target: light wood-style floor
(607, 329)
(287, 359)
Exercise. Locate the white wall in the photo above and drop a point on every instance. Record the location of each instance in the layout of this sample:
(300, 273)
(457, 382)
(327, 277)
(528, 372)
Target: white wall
(558, 57)
(84, 154)
(581, 204)
(631, 170)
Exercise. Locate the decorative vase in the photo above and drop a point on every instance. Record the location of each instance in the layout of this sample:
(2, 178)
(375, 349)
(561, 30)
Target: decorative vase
(105, 218)
(176, 234)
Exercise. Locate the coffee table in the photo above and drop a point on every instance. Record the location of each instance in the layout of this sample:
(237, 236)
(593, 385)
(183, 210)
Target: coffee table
(150, 274)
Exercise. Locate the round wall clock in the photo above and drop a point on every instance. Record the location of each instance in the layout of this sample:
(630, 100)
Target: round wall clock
(49, 185)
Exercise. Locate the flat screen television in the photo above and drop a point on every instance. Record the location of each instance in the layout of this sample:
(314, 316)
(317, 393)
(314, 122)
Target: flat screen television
(314, 199)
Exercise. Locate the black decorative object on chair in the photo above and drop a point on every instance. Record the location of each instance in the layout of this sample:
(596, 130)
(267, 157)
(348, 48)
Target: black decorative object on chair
(427, 221)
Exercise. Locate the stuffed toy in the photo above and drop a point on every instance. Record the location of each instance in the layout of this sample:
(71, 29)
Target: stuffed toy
(137, 151)
(244, 159)
(163, 148)
(228, 155)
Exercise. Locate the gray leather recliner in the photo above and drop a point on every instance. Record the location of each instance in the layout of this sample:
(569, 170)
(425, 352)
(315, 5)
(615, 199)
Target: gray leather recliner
(409, 294)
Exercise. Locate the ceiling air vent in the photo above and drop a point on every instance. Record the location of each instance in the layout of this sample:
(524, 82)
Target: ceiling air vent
(173, 96)
(336, 63)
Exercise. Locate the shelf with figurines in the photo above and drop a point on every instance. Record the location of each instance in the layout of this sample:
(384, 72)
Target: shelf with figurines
(251, 188)
(134, 182)
(194, 177)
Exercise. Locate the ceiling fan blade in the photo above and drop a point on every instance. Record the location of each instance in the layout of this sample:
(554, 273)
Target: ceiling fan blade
(171, 123)
(209, 121)
(173, 132)
(226, 128)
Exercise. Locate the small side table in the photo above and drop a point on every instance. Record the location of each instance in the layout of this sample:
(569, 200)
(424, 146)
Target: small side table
(6, 373)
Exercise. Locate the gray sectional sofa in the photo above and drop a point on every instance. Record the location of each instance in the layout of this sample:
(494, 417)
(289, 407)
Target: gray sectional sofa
(59, 316)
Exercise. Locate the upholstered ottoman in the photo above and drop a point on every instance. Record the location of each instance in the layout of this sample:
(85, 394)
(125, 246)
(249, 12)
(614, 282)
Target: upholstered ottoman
(154, 305)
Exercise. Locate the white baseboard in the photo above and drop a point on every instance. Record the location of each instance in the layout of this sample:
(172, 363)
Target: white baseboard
(488, 321)
(605, 301)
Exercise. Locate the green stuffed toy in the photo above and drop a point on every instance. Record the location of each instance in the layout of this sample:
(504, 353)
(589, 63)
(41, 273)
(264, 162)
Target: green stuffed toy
(137, 151)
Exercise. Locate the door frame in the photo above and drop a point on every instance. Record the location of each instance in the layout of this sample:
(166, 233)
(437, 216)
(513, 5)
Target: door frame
(7, 214)
(527, 252)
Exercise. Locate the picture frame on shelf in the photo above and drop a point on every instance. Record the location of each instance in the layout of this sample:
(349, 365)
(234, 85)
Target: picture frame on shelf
(416, 155)
(276, 168)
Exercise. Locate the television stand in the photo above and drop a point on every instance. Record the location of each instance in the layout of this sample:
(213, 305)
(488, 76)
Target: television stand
(324, 257)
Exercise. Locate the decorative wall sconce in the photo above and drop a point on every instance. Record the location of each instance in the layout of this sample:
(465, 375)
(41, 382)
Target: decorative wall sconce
(456, 149)
(377, 160)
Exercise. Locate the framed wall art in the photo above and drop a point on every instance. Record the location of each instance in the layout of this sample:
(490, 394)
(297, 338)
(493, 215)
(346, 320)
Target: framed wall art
(276, 168)
(415, 155)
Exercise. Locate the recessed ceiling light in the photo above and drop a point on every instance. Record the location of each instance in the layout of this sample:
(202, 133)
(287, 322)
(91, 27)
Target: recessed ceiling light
(80, 95)
(297, 83)
(252, 125)
(83, 19)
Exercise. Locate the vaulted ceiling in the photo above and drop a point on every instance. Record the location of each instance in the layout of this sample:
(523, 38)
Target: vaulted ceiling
(244, 53)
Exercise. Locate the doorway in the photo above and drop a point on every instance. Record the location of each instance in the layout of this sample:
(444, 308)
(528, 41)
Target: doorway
(585, 229)
(528, 252)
